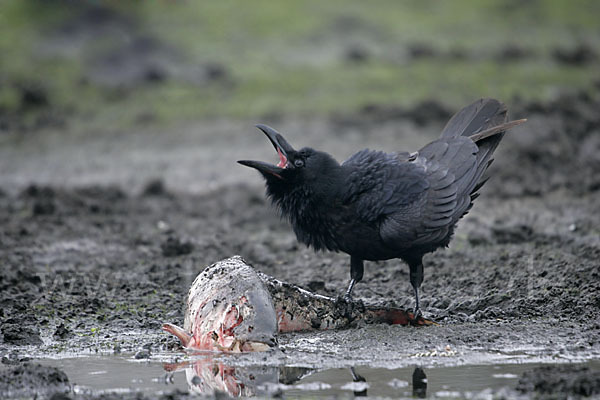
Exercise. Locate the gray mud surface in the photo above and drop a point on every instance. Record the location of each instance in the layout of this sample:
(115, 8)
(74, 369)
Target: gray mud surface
(101, 238)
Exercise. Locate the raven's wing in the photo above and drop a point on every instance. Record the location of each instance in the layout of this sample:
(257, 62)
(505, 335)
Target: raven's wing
(382, 186)
(415, 202)
(453, 167)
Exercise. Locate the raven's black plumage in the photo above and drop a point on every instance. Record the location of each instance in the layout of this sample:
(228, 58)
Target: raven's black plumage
(378, 206)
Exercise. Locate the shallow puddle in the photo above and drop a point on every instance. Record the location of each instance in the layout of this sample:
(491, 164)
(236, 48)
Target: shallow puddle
(125, 374)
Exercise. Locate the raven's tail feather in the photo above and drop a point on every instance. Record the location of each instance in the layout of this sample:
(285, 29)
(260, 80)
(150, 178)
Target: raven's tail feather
(477, 117)
(483, 114)
(456, 162)
(484, 122)
(496, 130)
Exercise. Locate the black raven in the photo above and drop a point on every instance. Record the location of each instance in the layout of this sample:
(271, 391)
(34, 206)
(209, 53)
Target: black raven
(380, 206)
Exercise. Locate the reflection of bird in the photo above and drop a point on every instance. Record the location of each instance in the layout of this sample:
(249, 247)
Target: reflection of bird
(379, 206)
(419, 382)
(356, 377)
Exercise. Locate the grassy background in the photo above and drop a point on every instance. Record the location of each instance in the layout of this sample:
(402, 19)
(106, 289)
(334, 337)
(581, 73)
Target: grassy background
(295, 58)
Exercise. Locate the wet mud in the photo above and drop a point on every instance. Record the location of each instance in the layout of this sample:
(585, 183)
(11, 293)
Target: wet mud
(93, 264)
(32, 379)
(563, 381)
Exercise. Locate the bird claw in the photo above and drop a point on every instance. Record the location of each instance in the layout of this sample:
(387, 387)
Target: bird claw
(348, 307)
(417, 314)
(343, 301)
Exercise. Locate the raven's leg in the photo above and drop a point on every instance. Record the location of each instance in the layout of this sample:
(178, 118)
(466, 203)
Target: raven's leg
(356, 274)
(416, 278)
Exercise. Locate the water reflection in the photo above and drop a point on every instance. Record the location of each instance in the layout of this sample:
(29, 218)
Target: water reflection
(358, 378)
(419, 382)
(208, 377)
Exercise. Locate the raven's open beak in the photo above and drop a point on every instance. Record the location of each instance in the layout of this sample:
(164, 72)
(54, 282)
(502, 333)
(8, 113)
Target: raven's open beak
(283, 149)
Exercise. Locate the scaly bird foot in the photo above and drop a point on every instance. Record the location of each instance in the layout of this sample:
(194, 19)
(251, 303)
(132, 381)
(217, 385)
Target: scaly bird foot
(416, 316)
(348, 307)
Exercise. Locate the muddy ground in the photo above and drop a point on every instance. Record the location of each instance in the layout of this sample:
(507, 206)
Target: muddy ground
(100, 240)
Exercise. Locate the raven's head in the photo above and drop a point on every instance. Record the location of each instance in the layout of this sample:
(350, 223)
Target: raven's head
(295, 167)
(304, 186)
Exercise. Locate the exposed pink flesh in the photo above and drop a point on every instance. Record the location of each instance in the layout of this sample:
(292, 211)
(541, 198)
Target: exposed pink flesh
(287, 323)
(282, 159)
(182, 335)
(222, 339)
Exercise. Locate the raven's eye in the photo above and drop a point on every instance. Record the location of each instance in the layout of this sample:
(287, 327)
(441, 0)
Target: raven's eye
(299, 163)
